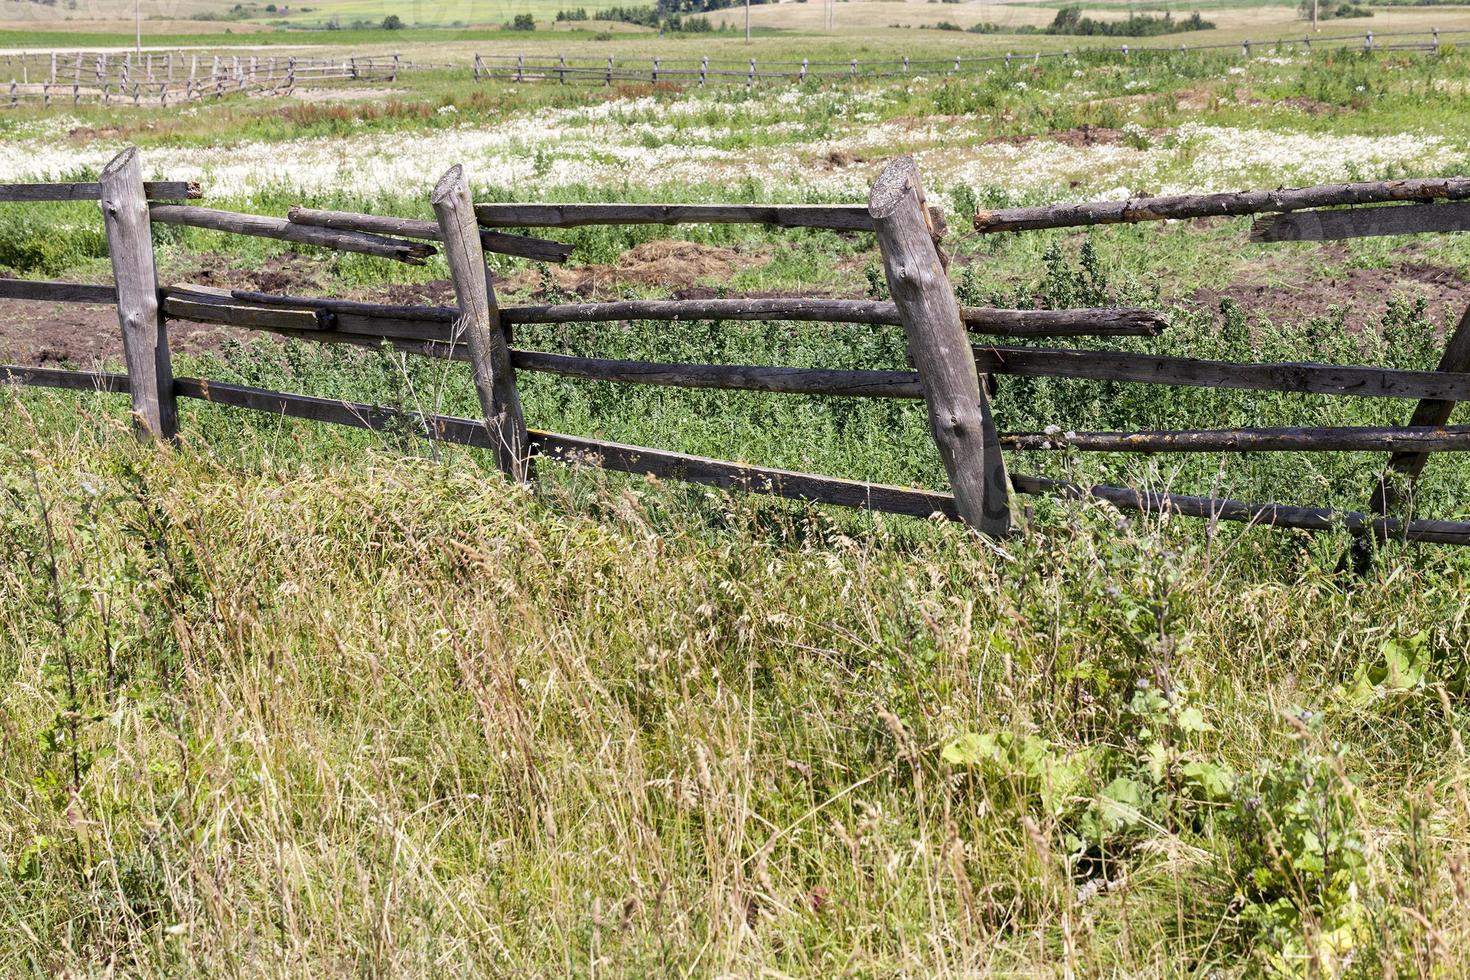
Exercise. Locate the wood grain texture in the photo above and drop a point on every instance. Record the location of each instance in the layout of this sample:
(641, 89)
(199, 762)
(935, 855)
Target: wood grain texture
(15, 374)
(479, 322)
(1336, 225)
(1210, 205)
(522, 246)
(958, 410)
(786, 380)
(57, 292)
(851, 217)
(153, 190)
(263, 226)
(1253, 440)
(144, 336)
(979, 319)
(1322, 379)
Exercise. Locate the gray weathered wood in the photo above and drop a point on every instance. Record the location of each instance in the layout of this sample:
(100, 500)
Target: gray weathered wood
(70, 380)
(979, 319)
(57, 292)
(265, 318)
(1419, 439)
(840, 217)
(522, 246)
(1208, 205)
(479, 320)
(1320, 379)
(154, 190)
(145, 338)
(445, 314)
(1406, 466)
(1268, 515)
(959, 412)
(785, 380)
(998, 322)
(1335, 225)
(262, 226)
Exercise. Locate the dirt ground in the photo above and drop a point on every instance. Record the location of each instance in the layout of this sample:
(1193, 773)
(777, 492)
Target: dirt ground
(55, 334)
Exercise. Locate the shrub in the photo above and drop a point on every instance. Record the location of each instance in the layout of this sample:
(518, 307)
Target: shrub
(523, 22)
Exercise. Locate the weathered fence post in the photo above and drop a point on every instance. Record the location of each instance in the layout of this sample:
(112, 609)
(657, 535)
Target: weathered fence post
(479, 67)
(959, 413)
(479, 320)
(703, 68)
(1405, 467)
(561, 69)
(145, 338)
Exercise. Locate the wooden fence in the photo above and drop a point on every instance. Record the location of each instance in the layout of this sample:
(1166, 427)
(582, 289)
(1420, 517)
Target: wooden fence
(702, 71)
(949, 370)
(168, 78)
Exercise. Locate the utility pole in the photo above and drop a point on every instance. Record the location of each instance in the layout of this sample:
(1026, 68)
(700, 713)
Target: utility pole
(1314, 14)
(138, 25)
(747, 21)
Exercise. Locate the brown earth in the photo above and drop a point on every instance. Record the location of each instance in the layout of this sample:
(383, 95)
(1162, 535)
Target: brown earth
(1364, 293)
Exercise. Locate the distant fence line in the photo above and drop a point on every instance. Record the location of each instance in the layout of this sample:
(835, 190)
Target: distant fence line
(162, 78)
(701, 71)
(948, 368)
(170, 77)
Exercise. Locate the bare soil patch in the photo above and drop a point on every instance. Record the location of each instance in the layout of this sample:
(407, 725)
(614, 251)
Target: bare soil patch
(1363, 293)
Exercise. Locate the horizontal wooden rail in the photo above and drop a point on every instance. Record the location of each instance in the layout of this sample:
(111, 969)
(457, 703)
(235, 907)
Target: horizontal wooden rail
(68, 380)
(1318, 379)
(588, 452)
(156, 190)
(57, 292)
(839, 217)
(1266, 515)
(736, 377)
(979, 319)
(1254, 440)
(522, 246)
(1211, 205)
(262, 226)
(754, 479)
(1328, 226)
(1008, 323)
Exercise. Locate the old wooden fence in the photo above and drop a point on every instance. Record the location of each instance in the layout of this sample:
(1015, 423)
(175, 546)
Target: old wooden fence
(170, 77)
(949, 368)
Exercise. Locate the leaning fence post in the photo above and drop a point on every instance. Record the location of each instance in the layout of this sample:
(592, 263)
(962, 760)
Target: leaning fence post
(145, 338)
(1405, 467)
(479, 320)
(959, 413)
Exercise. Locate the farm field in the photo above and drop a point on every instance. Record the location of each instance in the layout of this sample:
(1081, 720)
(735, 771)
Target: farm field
(290, 699)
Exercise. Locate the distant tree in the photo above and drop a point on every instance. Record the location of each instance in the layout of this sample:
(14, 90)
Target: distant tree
(392, 23)
(523, 22)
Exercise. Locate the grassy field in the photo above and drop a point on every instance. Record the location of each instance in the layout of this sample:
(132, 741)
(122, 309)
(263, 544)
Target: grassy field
(289, 700)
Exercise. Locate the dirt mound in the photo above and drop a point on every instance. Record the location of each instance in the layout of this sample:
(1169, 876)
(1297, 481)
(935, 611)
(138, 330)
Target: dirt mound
(664, 263)
(1363, 292)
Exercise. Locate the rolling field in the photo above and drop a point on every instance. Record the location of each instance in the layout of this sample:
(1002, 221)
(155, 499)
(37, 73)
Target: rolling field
(291, 700)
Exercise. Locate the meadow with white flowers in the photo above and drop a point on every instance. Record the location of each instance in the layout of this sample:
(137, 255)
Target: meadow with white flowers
(293, 700)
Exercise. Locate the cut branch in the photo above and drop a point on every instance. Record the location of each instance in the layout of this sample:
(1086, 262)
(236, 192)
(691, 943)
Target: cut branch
(262, 226)
(1209, 205)
(523, 246)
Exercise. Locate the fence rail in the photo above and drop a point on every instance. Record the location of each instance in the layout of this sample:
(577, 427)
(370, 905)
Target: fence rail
(948, 372)
(171, 77)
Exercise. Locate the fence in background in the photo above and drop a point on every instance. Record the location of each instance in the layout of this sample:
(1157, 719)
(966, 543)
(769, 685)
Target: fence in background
(170, 77)
(701, 71)
(949, 371)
